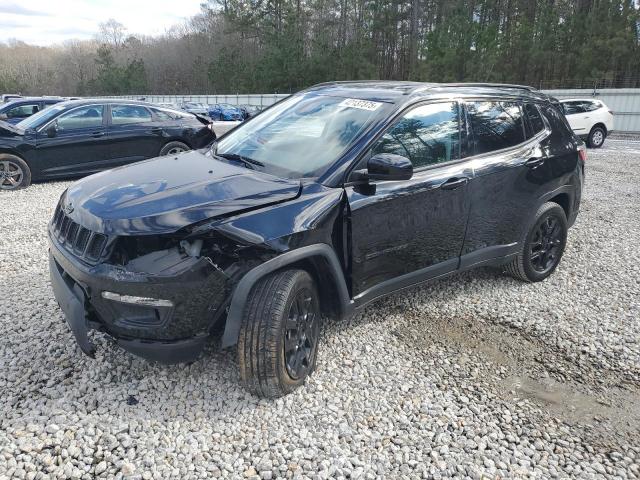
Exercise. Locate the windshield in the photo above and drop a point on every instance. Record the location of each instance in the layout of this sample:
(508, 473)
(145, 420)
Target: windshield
(40, 118)
(302, 135)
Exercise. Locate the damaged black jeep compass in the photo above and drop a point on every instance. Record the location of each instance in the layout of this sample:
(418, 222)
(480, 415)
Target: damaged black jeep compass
(330, 199)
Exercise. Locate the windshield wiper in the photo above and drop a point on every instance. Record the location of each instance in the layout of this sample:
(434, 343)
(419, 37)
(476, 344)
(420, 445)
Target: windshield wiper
(249, 162)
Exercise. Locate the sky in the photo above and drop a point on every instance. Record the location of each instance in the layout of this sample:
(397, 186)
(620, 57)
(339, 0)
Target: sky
(45, 22)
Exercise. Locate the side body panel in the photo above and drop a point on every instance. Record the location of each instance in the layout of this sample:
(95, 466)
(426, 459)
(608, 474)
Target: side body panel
(506, 191)
(401, 227)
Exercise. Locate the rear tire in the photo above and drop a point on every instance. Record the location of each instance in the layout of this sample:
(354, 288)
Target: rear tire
(14, 172)
(596, 137)
(173, 148)
(543, 245)
(278, 342)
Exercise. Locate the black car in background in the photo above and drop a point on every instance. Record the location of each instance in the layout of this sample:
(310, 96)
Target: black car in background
(79, 137)
(325, 202)
(249, 111)
(17, 110)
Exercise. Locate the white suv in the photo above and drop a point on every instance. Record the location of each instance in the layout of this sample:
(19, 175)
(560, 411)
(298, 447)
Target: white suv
(590, 119)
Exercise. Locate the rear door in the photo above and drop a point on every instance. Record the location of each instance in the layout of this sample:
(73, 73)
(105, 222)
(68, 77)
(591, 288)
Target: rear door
(511, 172)
(74, 143)
(133, 134)
(408, 231)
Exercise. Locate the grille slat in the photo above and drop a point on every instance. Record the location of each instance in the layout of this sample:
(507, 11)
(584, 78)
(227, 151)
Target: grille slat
(96, 245)
(71, 233)
(77, 239)
(81, 240)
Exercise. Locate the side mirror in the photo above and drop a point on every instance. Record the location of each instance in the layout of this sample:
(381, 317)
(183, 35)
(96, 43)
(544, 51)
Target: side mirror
(52, 131)
(386, 166)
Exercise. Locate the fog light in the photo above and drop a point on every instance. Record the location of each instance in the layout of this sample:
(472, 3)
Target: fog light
(149, 302)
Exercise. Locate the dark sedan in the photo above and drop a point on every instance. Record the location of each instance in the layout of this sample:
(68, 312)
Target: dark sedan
(80, 137)
(15, 111)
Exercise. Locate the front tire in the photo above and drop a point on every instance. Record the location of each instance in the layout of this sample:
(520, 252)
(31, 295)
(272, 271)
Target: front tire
(596, 137)
(278, 342)
(543, 245)
(14, 172)
(173, 148)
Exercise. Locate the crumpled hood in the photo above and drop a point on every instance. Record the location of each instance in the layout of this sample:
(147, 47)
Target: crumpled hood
(9, 130)
(164, 194)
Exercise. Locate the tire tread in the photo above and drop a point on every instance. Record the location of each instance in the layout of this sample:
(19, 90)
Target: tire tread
(258, 342)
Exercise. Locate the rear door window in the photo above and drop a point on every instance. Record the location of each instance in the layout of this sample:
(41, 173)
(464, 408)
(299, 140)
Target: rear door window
(128, 114)
(495, 125)
(427, 135)
(534, 119)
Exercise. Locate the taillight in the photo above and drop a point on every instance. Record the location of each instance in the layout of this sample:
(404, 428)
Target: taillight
(582, 152)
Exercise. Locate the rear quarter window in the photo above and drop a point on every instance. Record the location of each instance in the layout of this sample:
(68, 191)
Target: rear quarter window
(560, 129)
(534, 119)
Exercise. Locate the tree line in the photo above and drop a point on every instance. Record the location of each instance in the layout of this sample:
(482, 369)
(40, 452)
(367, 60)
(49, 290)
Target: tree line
(254, 46)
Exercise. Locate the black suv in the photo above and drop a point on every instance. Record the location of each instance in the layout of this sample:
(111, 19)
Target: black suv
(326, 201)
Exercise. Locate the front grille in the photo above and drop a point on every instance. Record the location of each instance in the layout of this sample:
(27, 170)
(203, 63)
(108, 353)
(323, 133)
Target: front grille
(79, 240)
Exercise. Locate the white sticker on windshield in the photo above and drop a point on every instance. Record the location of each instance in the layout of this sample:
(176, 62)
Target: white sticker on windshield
(361, 104)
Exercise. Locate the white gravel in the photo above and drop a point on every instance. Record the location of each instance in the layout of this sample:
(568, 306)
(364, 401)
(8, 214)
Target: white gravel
(476, 376)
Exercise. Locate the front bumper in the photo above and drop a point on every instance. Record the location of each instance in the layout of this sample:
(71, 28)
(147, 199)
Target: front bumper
(166, 334)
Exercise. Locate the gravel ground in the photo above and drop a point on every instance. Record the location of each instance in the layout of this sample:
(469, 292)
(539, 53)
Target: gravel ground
(475, 376)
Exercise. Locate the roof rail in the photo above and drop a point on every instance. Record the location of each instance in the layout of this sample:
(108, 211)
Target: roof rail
(493, 85)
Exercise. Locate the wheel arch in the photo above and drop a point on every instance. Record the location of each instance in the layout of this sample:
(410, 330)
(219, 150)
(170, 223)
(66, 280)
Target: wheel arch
(176, 139)
(566, 197)
(11, 151)
(564, 201)
(320, 260)
(601, 125)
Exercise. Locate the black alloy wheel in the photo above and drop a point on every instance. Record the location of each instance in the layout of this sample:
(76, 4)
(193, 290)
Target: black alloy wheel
(543, 245)
(546, 244)
(301, 334)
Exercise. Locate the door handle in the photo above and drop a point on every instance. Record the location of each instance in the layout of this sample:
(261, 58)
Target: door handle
(156, 130)
(97, 134)
(534, 162)
(453, 183)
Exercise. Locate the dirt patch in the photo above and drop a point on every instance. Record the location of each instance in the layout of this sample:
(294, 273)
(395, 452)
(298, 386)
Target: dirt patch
(517, 366)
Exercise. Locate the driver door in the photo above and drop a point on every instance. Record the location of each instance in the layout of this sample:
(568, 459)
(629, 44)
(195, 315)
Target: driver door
(74, 143)
(403, 232)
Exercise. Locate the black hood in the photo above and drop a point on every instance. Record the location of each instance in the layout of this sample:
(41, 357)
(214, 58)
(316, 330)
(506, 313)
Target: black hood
(165, 194)
(8, 130)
